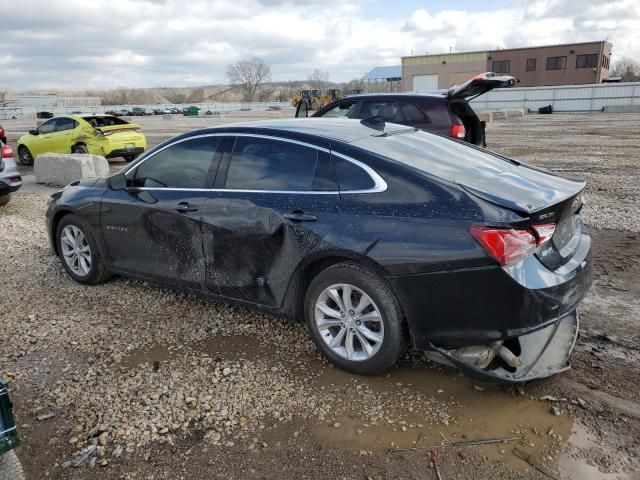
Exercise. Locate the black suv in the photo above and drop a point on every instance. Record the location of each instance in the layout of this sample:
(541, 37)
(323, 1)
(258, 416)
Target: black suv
(445, 113)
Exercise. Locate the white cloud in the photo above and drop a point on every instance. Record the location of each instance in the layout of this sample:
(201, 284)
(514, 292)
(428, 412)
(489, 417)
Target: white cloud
(107, 43)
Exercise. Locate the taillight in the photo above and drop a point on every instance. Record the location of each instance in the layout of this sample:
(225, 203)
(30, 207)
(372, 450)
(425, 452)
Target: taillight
(457, 131)
(506, 245)
(544, 232)
(7, 151)
(483, 124)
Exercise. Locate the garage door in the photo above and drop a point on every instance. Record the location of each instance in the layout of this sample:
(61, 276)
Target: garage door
(425, 83)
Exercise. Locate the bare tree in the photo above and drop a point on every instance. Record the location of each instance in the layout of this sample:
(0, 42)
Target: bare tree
(627, 68)
(356, 84)
(249, 74)
(318, 78)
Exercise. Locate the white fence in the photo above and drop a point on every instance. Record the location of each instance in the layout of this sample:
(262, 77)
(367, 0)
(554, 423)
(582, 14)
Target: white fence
(567, 98)
(29, 111)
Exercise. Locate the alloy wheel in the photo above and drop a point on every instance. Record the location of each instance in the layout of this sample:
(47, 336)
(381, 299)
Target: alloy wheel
(349, 322)
(76, 250)
(25, 156)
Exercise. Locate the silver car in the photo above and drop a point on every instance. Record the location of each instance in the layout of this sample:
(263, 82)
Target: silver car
(10, 179)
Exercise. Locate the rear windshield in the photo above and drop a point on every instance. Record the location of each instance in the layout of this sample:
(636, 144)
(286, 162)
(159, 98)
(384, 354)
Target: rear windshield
(447, 159)
(106, 121)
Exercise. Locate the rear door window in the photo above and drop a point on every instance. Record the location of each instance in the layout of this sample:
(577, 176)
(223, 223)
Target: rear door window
(389, 109)
(63, 124)
(276, 165)
(350, 176)
(342, 110)
(183, 165)
(412, 114)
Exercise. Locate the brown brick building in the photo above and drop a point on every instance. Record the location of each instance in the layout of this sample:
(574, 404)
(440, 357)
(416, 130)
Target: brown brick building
(569, 64)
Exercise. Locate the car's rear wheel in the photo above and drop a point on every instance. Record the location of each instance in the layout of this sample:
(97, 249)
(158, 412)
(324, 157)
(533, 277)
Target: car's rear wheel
(79, 148)
(354, 319)
(4, 199)
(25, 155)
(130, 158)
(78, 251)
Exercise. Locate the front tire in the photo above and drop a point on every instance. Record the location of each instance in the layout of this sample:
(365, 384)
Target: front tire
(79, 252)
(355, 319)
(10, 467)
(25, 155)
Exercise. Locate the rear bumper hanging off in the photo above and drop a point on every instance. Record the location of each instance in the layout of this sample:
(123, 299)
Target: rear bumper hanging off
(542, 353)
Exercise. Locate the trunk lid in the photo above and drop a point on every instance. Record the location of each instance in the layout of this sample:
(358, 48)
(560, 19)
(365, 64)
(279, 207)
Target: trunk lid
(480, 85)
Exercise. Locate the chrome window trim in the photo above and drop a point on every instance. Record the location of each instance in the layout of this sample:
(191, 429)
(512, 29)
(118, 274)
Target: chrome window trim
(379, 185)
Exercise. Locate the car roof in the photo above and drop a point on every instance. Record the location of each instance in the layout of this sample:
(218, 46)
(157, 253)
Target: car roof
(435, 93)
(341, 129)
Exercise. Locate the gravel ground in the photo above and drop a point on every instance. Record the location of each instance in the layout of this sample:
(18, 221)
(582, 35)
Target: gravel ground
(150, 383)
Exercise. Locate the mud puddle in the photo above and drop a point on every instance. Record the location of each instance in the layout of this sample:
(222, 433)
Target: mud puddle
(474, 412)
(219, 347)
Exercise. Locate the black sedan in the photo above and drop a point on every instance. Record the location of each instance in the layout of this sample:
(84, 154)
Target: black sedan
(377, 236)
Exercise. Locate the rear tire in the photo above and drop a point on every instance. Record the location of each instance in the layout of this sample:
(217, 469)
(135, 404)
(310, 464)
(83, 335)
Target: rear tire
(377, 333)
(25, 155)
(4, 199)
(79, 148)
(10, 467)
(129, 158)
(79, 252)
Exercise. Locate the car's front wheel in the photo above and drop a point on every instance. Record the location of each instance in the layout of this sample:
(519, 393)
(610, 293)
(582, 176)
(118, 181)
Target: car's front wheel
(25, 155)
(79, 252)
(355, 319)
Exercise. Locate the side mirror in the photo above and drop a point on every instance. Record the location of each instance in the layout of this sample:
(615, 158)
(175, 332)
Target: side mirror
(117, 182)
(33, 132)
(302, 111)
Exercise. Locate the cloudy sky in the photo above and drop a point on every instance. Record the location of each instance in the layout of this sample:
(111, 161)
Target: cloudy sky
(87, 44)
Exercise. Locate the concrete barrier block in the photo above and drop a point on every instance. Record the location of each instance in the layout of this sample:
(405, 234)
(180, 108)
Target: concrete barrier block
(515, 112)
(485, 116)
(61, 169)
(499, 115)
(621, 108)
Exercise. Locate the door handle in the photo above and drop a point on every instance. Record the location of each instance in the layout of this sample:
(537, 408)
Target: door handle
(300, 216)
(186, 207)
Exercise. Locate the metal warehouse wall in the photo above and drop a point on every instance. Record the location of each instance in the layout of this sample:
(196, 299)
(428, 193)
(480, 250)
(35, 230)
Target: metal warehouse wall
(566, 98)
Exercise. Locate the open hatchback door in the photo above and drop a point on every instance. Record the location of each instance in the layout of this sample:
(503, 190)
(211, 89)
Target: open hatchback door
(480, 85)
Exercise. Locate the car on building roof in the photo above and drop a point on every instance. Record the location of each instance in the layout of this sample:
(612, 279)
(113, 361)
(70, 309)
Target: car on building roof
(104, 135)
(378, 236)
(446, 113)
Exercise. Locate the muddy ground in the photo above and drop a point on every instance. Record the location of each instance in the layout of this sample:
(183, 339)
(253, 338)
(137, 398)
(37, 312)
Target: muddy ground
(170, 386)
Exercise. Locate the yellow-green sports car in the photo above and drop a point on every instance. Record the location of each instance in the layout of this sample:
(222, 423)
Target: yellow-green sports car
(104, 135)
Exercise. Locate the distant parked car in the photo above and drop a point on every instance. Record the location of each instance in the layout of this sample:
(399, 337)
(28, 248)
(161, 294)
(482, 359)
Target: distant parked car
(141, 111)
(376, 235)
(125, 113)
(97, 134)
(10, 179)
(445, 113)
(44, 115)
